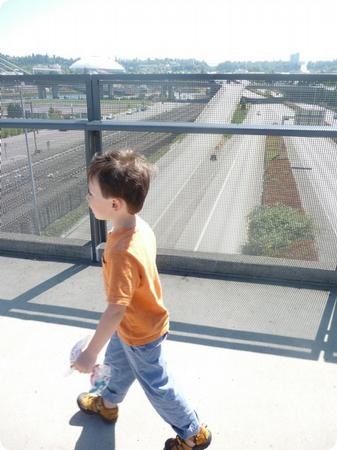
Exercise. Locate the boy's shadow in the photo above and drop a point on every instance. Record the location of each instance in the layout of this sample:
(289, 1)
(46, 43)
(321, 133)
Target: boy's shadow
(96, 435)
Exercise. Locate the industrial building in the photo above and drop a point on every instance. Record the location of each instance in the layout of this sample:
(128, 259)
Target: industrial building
(309, 115)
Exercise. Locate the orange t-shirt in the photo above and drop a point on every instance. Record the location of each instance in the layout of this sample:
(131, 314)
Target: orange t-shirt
(131, 278)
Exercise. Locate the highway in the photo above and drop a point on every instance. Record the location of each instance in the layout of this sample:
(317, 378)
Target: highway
(199, 204)
(218, 223)
(205, 206)
(185, 156)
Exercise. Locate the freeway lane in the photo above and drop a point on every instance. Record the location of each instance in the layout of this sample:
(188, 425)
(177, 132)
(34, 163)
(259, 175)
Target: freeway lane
(191, 202)
(234, 187)
(184, 158)
(318, 158)
(316, 178)
(237, 189)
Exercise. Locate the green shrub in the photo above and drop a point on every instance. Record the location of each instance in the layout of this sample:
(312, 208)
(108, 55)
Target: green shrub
(271, 229)
(54, 113)
(14, 110)
(6, 132)
(240, 113)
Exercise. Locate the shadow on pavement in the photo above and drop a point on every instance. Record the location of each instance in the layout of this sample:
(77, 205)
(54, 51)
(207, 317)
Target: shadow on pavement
(325, 341)
(95, 435)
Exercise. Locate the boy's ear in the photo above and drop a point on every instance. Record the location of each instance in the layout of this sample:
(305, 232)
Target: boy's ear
(115, 203)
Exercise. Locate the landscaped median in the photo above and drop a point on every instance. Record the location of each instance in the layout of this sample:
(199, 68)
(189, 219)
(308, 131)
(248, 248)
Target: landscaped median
(279, 227)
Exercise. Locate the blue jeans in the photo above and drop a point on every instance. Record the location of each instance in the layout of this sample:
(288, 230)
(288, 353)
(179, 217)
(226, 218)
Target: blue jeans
(146, 363)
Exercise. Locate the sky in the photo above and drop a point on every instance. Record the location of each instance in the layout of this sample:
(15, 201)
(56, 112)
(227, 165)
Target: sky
(209, 30)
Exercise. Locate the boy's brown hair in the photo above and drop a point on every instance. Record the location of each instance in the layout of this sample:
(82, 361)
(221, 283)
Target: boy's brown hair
(123, 174)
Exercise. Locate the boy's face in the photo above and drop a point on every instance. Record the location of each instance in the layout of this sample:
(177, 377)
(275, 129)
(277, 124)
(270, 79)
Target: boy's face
(102, 208)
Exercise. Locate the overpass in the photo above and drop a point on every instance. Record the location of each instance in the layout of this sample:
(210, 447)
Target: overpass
(299, 93)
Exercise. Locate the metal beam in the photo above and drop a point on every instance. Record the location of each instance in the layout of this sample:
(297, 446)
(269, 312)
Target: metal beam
(93, 144)
(206, 128)
(82, 78)
(44, 124)
(172, 127)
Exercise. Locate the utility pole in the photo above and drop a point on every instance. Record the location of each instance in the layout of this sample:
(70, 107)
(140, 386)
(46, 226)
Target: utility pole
(34, 132)
(35, 206)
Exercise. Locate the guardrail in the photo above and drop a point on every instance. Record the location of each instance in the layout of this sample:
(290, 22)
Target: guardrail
(93, 127)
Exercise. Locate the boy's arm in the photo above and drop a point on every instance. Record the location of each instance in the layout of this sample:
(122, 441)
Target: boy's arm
(108, 323)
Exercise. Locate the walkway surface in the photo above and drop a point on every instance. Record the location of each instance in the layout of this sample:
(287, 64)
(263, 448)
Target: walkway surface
(257, 361)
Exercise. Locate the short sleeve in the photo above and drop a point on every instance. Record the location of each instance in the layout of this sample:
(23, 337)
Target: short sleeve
(121, 278)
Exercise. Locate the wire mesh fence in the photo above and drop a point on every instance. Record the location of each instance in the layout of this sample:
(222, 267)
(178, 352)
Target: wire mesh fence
(243, 194)
(45, 193)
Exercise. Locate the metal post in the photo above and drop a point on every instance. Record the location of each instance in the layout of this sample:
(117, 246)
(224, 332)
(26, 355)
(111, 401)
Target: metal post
(35, 206)
(34, 131)
(93, 144)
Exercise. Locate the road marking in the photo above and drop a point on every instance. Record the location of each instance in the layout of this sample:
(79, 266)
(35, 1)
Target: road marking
(173, 199)
(215, 204)
(300, 168)
(250, 115)
(168, 206)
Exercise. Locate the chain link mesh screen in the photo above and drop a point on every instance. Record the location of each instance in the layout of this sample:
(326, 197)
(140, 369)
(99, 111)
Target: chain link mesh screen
(231, 194)
(43, 172)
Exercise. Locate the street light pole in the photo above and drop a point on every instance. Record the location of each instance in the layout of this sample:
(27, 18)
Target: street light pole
(34, 133)
(35, 207)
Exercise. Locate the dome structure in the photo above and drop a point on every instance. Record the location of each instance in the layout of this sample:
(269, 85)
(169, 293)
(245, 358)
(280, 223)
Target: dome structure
(97, 64)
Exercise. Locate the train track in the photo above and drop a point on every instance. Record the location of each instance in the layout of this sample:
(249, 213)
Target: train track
(118, 138)
(67, 168)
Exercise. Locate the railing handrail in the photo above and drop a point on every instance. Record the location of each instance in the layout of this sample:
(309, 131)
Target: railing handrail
(172, 127)
(92, 126)
(82, 78)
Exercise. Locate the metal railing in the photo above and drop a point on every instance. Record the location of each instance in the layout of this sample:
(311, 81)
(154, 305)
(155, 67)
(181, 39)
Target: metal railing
(319, 90)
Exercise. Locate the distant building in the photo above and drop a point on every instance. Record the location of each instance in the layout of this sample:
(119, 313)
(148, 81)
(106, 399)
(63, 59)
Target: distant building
(50, 69)
(97, 65)
(295, 59)
(309, 115)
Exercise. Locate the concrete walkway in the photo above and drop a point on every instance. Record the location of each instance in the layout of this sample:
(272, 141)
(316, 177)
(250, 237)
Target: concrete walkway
(252, 358)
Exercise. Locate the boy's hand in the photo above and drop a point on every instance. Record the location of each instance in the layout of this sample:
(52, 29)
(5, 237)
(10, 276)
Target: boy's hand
(85, 362)
(108, 323)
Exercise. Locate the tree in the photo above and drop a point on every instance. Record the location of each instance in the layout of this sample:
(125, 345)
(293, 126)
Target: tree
(54, 113)
(14, 110)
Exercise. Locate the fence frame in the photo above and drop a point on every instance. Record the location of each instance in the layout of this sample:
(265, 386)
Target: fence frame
(94, 126)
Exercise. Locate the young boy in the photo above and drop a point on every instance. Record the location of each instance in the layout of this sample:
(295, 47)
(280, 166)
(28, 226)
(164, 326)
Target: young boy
(135, 320)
